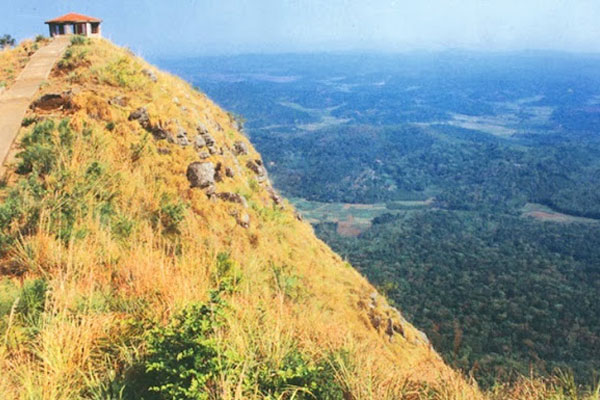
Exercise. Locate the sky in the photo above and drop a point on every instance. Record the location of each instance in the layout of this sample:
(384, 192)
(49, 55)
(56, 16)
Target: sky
(164, 28)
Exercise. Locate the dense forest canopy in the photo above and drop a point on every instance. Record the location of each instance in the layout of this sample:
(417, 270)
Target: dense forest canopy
(477, 177)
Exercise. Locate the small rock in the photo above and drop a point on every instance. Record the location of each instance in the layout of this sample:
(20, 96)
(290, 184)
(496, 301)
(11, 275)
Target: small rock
(274, 196)
(199, 142)
(243, 220)
(298, 216)
(164, 150)
(219, 172)
(233, 198)
(256, 167)
(203, 155)
(176, 100)
(240, 148)
(118, 101)
(213, 150)
(160, 133)
(150, 74)
(181, 138)
(201, 129)
(141, 116)
(210, 141)
(201, 174)
(229, 172)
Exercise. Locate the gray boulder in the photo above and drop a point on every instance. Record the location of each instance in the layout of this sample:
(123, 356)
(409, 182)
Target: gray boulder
(201, 174)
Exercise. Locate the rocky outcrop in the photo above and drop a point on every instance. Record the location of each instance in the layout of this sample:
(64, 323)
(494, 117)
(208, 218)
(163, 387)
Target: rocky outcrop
(256, 166)
(201, 174)
(54, 101)
(233, 198)
(274, 195)
(141, 116)
(240, 148)
(204, 139)
(390, 321)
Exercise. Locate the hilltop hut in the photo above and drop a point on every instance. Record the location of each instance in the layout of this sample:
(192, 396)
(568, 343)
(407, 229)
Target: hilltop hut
(74, 24)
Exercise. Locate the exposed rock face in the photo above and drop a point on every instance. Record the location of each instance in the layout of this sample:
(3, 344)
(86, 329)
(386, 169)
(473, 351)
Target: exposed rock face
(54, 101)
(274, 195)
(141, 116)
(205, 139)
(150, 74)
(157, 130)
(257, 167)
(233, 198)
(201, 174)
(240, 148)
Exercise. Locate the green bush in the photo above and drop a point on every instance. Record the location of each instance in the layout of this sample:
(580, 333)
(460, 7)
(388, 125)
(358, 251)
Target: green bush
(78, 40)
(185, 360)
(170, 215)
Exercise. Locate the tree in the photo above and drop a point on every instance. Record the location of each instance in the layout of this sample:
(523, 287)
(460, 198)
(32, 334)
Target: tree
(7, 41)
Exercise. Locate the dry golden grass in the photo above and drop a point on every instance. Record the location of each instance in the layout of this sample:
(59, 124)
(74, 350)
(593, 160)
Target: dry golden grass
(99, 282)
(13, 60)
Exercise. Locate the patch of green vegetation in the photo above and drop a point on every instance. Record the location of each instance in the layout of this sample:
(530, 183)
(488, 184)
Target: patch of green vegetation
(185, 360)
(49, 187)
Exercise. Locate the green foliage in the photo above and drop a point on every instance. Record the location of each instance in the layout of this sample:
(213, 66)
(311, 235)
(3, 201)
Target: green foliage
(185, 360)
(227, 274)
(121, 72)
(286, 281)
(298, 377)
(39, 38)
(65, 197)
(22, 306)
(495, 294)
(74, 57)
(38, 152)
(110, 126)
(170, 215)
(79, 40)
(7, 41)
(28, 121)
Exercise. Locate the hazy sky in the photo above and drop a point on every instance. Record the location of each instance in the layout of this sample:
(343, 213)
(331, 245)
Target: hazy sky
(162, 28)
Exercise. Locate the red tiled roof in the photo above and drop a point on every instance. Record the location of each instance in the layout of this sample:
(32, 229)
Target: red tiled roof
(74, 17)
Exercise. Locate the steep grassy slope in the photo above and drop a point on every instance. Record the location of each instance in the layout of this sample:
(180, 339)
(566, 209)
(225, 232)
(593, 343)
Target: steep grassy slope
(115, 272)
(13, 60)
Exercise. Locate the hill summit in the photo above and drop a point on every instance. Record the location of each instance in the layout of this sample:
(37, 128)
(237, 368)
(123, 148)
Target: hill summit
(145, 254)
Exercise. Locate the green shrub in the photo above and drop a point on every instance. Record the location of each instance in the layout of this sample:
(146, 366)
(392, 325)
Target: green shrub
(110, 126)
(183, 357)
(79, 40)
(186, 361)
(40, 38)
(286, 281)
(38, 150)
(298, 377)
(169, 216)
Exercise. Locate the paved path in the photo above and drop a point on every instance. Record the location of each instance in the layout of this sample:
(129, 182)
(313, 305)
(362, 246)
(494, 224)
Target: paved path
(15, 100)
